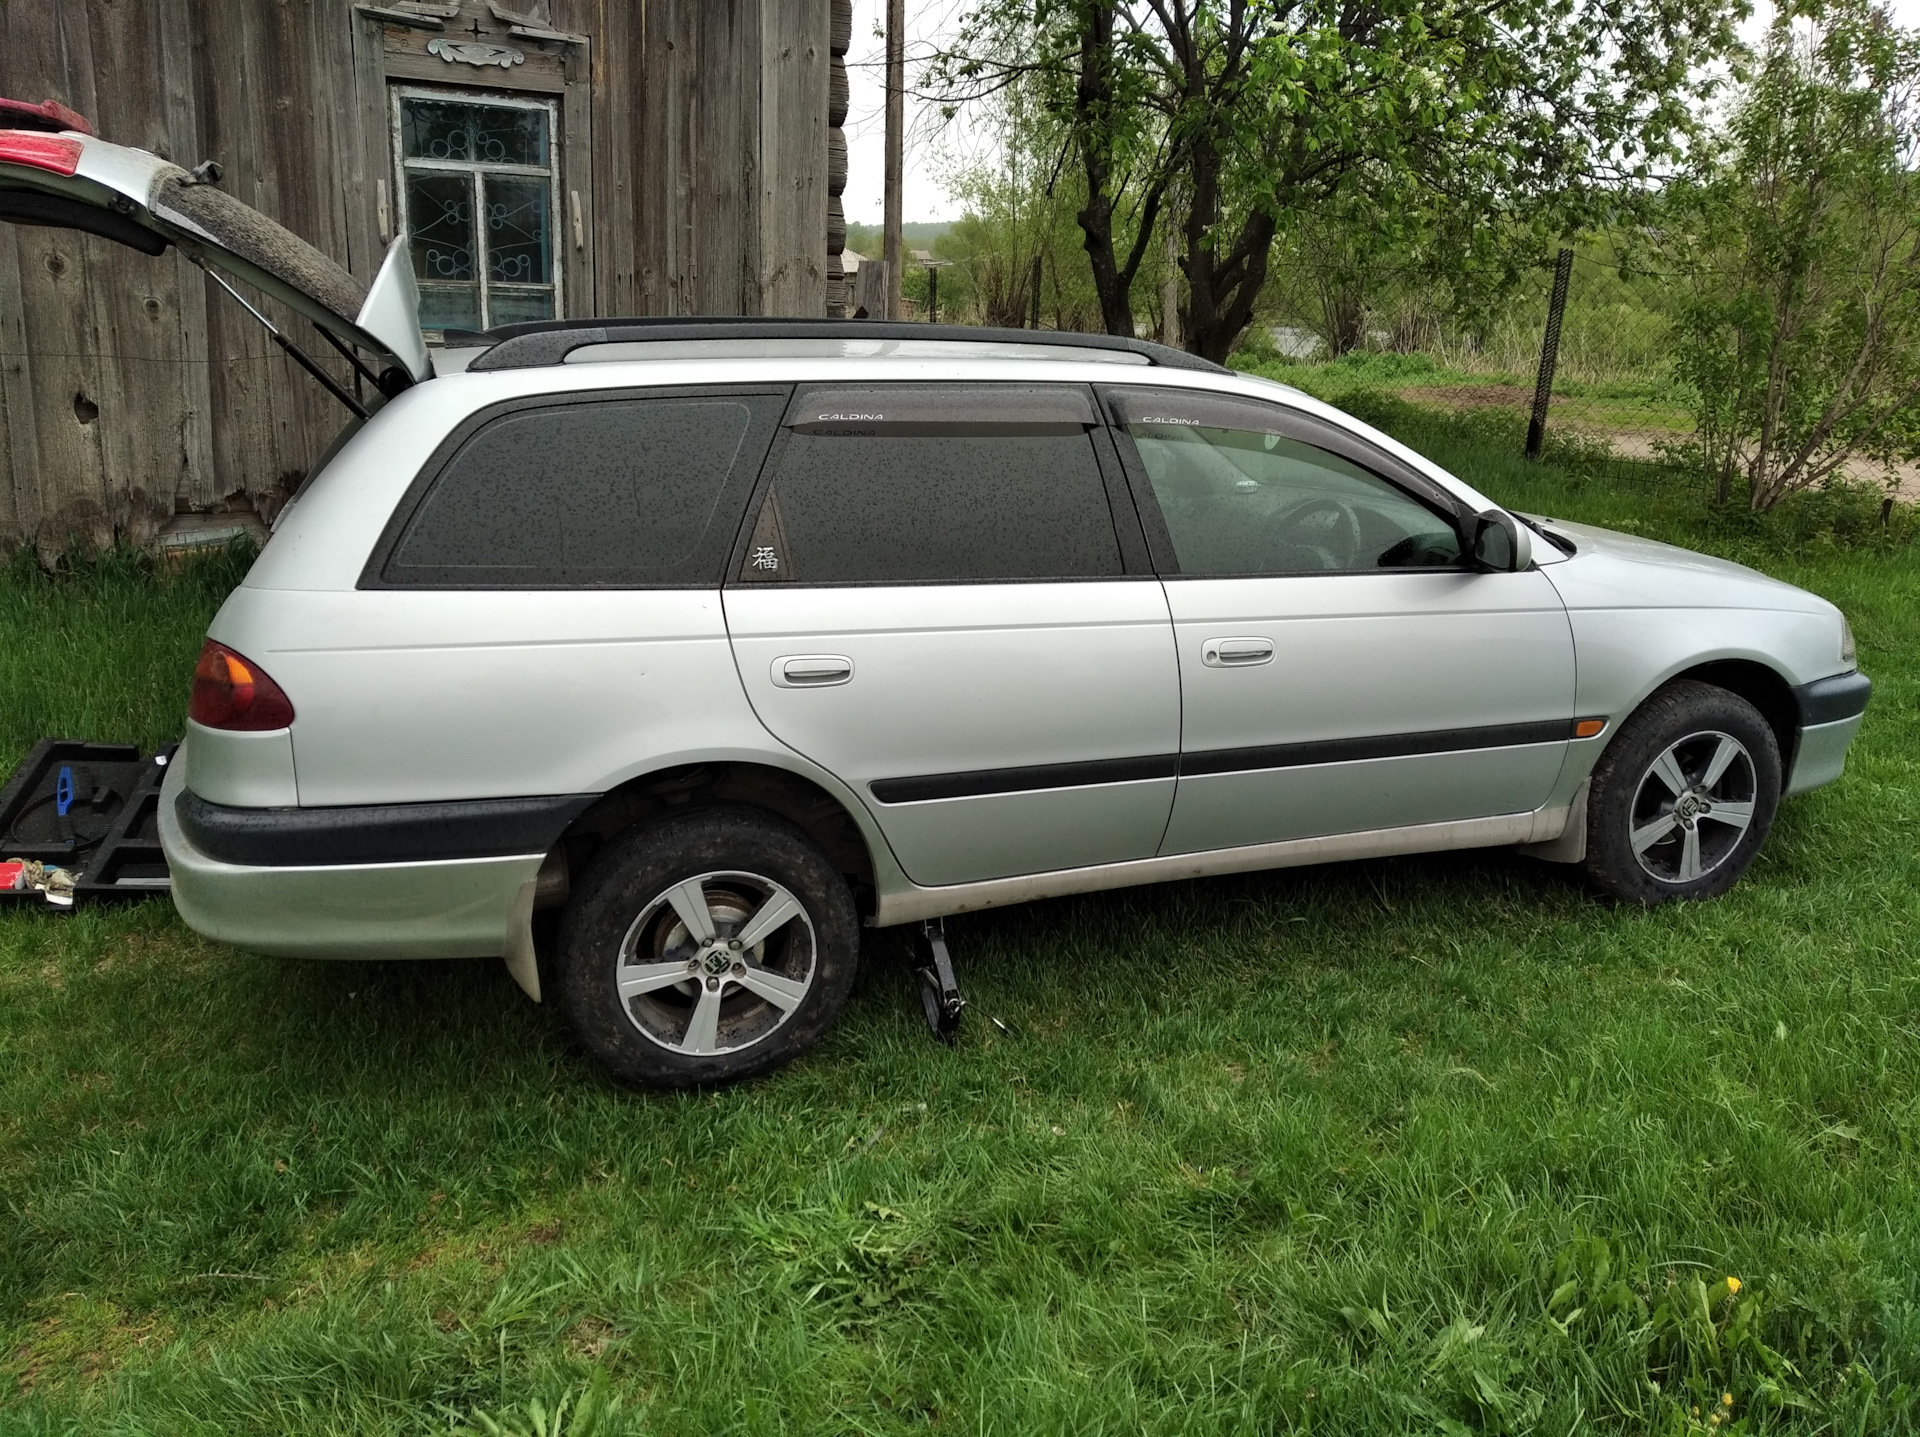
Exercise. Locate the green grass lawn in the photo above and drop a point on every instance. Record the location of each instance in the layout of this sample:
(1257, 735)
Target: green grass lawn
(1433, 1145)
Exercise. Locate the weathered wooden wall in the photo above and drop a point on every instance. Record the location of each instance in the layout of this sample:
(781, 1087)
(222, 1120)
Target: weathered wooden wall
(695, 132)
(113, 366)
(840, 40)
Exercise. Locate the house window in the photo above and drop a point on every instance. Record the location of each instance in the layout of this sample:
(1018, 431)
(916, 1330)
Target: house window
(478, 178)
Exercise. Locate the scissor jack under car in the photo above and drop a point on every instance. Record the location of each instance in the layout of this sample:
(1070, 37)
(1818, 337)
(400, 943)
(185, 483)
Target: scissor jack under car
(939, 990)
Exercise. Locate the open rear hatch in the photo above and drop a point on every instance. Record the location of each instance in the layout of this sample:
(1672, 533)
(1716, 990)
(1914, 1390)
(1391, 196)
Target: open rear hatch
(55, 171)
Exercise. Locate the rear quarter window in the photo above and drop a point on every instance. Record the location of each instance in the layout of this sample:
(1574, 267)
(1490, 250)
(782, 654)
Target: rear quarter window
(631, 492)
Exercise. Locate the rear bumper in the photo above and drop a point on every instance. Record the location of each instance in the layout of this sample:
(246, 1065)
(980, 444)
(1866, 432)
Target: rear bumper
(426, 908)
(1831, 711)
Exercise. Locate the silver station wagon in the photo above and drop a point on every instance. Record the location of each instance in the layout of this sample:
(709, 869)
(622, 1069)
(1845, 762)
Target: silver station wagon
(696, 646)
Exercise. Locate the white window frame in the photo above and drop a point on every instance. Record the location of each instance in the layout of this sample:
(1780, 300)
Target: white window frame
(477, 170)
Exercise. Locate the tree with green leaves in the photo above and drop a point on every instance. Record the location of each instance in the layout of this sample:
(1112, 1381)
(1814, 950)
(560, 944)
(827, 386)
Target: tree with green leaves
(1252, 110)
(1019, 220)
(1799, 238)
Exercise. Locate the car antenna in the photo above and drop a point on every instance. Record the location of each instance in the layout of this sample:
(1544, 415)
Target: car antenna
(294, 352)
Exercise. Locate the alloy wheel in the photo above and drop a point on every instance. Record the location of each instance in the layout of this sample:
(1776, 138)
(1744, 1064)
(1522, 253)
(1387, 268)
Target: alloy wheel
(1693, 806)
(716, 963)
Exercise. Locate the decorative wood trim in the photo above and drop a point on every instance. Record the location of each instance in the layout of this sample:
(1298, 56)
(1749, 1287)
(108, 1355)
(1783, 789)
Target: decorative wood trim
(531, 27)
(541, 74)
(388, 15)
(480, 55)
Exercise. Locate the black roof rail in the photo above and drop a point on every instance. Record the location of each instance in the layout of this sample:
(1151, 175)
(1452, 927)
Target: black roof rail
(544, 342)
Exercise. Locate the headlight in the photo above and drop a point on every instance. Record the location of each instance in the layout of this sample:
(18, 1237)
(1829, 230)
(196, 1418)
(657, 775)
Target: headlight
(1848, 654)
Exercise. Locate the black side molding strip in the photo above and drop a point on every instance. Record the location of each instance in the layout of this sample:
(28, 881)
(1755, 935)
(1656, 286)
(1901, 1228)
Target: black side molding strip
(1388, 745)
(979, 782)
(929, 786)
(376, 833)
(1843, 696)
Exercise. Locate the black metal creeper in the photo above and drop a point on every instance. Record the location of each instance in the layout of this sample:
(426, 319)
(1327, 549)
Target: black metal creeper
(939, 990)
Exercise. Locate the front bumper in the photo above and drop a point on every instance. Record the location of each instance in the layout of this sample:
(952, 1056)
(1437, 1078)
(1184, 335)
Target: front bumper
(443, 908)
(1831, 711)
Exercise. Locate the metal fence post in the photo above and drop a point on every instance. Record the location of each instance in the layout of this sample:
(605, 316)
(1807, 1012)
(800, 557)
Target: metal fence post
(1035, 324)
(1549, 353)
(933, 295)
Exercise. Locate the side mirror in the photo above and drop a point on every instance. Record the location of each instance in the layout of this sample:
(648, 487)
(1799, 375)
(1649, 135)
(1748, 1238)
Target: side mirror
(1501, 544)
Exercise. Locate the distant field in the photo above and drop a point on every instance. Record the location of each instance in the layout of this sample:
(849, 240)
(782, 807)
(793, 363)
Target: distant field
(1633, 416)
(1632, 419)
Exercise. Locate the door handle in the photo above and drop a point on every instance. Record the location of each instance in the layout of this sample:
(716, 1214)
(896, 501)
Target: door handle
(812, 671)
(1236, 653)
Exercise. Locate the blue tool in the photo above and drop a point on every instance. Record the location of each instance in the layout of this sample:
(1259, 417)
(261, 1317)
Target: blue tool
(63, 792)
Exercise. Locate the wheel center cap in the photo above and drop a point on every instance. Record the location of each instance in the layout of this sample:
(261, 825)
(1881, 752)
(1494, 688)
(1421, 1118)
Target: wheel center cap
(717, 961)
(1688, 807)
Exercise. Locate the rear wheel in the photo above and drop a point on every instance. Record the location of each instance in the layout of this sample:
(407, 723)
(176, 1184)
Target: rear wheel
(707, 948)
(1683, 797)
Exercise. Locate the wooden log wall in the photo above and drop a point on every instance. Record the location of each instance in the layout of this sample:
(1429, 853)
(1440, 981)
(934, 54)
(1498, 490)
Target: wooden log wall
(694, 135)
(838, 305)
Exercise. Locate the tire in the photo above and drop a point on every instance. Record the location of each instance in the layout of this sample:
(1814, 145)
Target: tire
(699, 1013)
(1683, 797)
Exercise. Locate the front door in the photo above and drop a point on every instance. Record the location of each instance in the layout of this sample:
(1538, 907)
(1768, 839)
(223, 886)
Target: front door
(1342, 669)
(936, 605)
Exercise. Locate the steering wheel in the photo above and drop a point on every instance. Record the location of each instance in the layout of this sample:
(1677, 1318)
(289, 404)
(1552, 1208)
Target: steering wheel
(1322, 537)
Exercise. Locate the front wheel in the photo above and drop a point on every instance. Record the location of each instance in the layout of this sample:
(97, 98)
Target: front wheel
(1683, 797)
(711, 947)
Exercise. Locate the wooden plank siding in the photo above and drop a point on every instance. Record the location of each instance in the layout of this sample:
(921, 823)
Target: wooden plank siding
(694, 152)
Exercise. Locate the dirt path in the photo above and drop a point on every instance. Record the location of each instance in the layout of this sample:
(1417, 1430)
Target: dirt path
(1627, 442)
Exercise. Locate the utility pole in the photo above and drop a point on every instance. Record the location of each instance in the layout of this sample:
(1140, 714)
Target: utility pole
(896, 146)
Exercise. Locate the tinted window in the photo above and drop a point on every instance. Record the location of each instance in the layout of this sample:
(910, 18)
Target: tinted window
(621, 493)
(1240, 498)
(939, 485)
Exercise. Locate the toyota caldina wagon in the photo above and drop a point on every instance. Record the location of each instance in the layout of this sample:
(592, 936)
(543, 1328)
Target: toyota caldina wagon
(725, 639)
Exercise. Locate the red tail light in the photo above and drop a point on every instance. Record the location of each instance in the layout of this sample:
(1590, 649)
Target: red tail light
(231, 692)
(58, 153)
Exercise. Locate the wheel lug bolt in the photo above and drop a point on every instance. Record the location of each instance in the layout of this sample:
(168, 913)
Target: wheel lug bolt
(739, 968)
(734, 943)
(712, 984)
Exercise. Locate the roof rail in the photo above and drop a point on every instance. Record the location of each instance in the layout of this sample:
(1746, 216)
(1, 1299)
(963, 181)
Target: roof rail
(543, 342)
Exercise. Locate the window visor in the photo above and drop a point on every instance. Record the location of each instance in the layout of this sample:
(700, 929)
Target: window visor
(898, 410)
(1201, 411)
(1141, 410)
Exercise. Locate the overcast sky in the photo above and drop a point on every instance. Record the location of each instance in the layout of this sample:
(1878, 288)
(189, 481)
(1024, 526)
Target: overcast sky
(929, 22)
(923, 199)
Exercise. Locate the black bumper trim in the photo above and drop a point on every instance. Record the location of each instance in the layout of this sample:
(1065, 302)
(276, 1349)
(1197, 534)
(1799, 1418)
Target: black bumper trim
(376, 833)
(1829, 700)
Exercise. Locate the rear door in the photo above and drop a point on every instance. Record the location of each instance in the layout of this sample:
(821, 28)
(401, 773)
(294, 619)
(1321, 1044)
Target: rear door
(942, 603)
(1342, 668)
